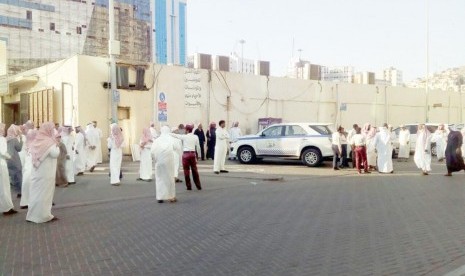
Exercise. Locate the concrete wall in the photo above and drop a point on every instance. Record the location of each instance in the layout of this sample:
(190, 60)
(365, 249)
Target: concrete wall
(202, 96)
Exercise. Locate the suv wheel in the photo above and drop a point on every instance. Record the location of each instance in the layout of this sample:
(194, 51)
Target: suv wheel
(246, 155)
(311, 157)
(434, 150)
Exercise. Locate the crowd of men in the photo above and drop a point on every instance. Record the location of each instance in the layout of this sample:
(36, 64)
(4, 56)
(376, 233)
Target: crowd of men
(184, 146)
(36, 160)
(372, 148)
(33, 161)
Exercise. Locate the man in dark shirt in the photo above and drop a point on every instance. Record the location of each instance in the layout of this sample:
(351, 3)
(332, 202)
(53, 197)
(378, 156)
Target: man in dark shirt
(199, 132)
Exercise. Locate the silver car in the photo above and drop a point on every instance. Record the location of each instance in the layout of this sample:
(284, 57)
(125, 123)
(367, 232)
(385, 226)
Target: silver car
(309, 142)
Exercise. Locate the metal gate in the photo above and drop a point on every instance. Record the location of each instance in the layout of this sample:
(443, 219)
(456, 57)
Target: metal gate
(37, 106)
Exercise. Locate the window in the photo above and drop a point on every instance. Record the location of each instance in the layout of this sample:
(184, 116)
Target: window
(413, 129)
(295, 131)
(273, 131)
(432, 129)
(122, 77)
(124, 113)
(29, 15)
(323, 130)
(52, 26)
(78, 30)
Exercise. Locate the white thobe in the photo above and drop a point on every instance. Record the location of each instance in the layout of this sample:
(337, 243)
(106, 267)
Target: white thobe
(68, 141)
(163, 155)
(116, 157)
(22, 153)
(93, 140)
(440, 138)
(177, 156)
(422, 155)
(221, 149)
(234, 134)
(146, 164)
(384, 149)
(99, 146)
(43, 187)
(80, 157)
(371, 154)
(404, 143)
(25, 186)
(154, 133)
(6, 203)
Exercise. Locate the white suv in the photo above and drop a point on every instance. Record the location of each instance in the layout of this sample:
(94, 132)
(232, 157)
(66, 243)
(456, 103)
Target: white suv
(309, 142)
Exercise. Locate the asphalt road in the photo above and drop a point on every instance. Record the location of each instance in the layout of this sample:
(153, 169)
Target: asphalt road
(273, 218)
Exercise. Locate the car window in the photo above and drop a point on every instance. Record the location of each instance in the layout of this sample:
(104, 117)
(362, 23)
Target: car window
(295, 131)
(413, 129)
(323, 130)
(273, 131)
(432, 129)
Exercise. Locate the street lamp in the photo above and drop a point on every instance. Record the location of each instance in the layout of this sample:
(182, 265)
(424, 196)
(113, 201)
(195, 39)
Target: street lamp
(242, 41)
(427, 61)
(113, 50)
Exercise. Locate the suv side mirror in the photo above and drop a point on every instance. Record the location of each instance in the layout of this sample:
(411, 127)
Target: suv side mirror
(262, 134)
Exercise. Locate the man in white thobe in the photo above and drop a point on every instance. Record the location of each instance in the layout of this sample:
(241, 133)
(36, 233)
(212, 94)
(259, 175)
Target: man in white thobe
(163, 149)
(6, 204)
(146, 161)
(350, 135)
(153, 131)
(221, 148)
(79, 150)
(422, 155)
(234, 134)
(404, 144)
(68, 140)
(440, 138)
(383, 147)
(93, 140)
(178, 152)
(44, 152)
(99, 144)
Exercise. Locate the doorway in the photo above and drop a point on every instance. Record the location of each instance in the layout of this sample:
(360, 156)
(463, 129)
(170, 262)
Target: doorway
(11, 114)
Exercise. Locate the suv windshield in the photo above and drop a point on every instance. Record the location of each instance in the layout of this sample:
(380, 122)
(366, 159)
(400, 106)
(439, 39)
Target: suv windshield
(323, 130)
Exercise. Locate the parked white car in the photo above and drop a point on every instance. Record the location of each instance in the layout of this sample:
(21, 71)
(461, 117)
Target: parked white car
(309, 142)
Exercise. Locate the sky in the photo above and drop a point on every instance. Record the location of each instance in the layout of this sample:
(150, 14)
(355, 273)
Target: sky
(367, 34)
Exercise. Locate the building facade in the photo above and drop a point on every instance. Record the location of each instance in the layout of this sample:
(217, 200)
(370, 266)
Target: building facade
(303, 69)
(170, 40)
(364, 78)
(232, 63)
(37, 32)
(338, 74)
(391, 76)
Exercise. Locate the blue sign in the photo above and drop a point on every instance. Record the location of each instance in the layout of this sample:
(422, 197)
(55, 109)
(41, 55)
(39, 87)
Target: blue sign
(343, 107)
(162, 116)
(115, 95)
(162, 97)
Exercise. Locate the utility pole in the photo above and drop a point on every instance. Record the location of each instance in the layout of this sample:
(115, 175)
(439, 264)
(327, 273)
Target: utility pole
(113, 50)
(427, 62)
